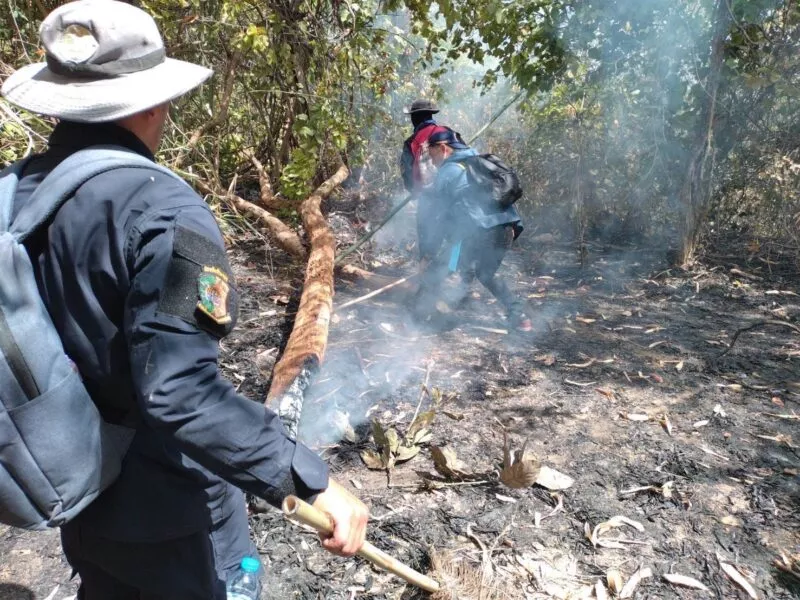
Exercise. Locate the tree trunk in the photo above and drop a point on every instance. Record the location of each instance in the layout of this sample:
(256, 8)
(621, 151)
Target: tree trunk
(697, 187)
(309, 338)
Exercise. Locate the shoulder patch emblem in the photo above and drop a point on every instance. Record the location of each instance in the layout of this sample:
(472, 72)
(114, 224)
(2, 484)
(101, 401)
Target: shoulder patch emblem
(213, 290)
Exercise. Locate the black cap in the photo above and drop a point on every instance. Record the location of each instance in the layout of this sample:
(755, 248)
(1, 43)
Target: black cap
(421, 105)
(449, 137)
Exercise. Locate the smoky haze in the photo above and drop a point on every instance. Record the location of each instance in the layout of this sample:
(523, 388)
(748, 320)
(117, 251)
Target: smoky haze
(602, 156)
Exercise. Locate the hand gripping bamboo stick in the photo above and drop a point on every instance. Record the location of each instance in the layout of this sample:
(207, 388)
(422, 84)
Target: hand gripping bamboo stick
(300, 511)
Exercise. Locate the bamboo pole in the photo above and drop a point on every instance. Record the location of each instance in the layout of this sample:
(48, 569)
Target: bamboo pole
(375, 292)
(365, 238)
(302, 512)
(496, 116)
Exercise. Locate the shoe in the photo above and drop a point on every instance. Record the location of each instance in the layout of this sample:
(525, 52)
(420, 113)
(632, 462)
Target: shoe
(522, 322)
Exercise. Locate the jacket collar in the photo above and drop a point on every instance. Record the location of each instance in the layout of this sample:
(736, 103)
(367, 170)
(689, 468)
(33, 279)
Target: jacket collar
(69, 137)
(424, 124)
(459, 154)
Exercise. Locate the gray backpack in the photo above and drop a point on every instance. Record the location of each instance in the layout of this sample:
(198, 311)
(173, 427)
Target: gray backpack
(56, 452)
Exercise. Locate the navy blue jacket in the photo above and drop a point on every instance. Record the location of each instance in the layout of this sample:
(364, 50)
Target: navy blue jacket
(451, 210)
(117, 270)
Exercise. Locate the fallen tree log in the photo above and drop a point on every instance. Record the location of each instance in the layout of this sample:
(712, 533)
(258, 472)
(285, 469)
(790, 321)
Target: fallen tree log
(309, 338)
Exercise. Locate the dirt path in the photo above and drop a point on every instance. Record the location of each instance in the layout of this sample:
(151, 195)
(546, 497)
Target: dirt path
(625, 388)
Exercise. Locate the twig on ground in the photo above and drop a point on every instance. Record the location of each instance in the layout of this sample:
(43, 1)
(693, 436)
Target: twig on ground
(755, 326)
(374, 293)
(424, 391)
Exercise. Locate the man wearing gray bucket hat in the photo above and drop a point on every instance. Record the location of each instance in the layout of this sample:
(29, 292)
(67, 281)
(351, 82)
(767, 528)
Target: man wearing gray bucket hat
(133, 272)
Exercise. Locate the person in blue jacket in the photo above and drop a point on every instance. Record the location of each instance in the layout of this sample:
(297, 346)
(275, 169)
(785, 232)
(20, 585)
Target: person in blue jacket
(460, 229)
(134, 274)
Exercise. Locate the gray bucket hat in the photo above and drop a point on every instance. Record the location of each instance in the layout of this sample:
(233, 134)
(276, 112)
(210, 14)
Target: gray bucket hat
(105, 61)
(421, 105)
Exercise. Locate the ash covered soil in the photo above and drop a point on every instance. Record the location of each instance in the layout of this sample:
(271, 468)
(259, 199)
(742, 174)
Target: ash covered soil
(625, 386)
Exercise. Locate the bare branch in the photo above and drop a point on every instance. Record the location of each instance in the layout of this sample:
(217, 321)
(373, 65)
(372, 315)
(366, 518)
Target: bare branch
(284, 236)
(220, 117)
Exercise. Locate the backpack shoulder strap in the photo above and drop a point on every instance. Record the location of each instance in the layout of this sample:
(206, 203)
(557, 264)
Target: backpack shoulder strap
(9, 177)
(63, 181)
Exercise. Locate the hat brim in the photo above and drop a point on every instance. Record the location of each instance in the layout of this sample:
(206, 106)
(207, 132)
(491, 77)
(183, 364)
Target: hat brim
(408, 111)
(39, 90)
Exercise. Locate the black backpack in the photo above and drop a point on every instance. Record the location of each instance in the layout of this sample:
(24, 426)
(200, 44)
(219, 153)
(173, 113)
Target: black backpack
(489, 173)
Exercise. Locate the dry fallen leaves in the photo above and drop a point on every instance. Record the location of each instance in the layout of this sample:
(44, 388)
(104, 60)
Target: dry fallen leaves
(519, 471)
(636, 578)
(447, 464)
(665, 490)
(636, 417)
(684, 581)
(392, 449)
(666, 424)
(788, 417)
(372, 459)
(737, 577)
(614, 580)
(789, 563)
(780, 438)
(553, 480)
(594, 535)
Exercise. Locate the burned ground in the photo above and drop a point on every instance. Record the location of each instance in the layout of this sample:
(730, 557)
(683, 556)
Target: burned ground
(626, 387)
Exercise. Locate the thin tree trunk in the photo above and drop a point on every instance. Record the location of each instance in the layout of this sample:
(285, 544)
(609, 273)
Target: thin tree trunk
(697, 187)
(219, 118)
(309, 338)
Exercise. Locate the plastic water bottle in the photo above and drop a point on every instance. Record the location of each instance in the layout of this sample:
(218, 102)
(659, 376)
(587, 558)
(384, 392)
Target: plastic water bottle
(244, 583)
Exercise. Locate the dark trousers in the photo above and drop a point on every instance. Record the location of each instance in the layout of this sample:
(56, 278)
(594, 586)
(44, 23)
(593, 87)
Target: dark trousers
(194, 567)
(480, 257)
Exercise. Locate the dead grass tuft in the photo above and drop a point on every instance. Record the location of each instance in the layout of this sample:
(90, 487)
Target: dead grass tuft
(461, 580)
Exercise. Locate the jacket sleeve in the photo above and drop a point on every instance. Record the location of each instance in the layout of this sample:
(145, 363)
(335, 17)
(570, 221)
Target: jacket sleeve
(435, 219)
(174, 353)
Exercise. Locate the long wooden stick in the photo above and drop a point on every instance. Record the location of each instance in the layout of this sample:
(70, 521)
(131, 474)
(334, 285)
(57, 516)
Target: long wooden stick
(496, 116)
(375, 292)
(300, 511)
(368, 236)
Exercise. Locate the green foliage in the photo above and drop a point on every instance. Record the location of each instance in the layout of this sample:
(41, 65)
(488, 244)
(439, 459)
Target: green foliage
(518, 39)
(617, 97)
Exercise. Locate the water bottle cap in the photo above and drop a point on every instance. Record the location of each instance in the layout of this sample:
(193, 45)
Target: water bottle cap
(250, 564)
